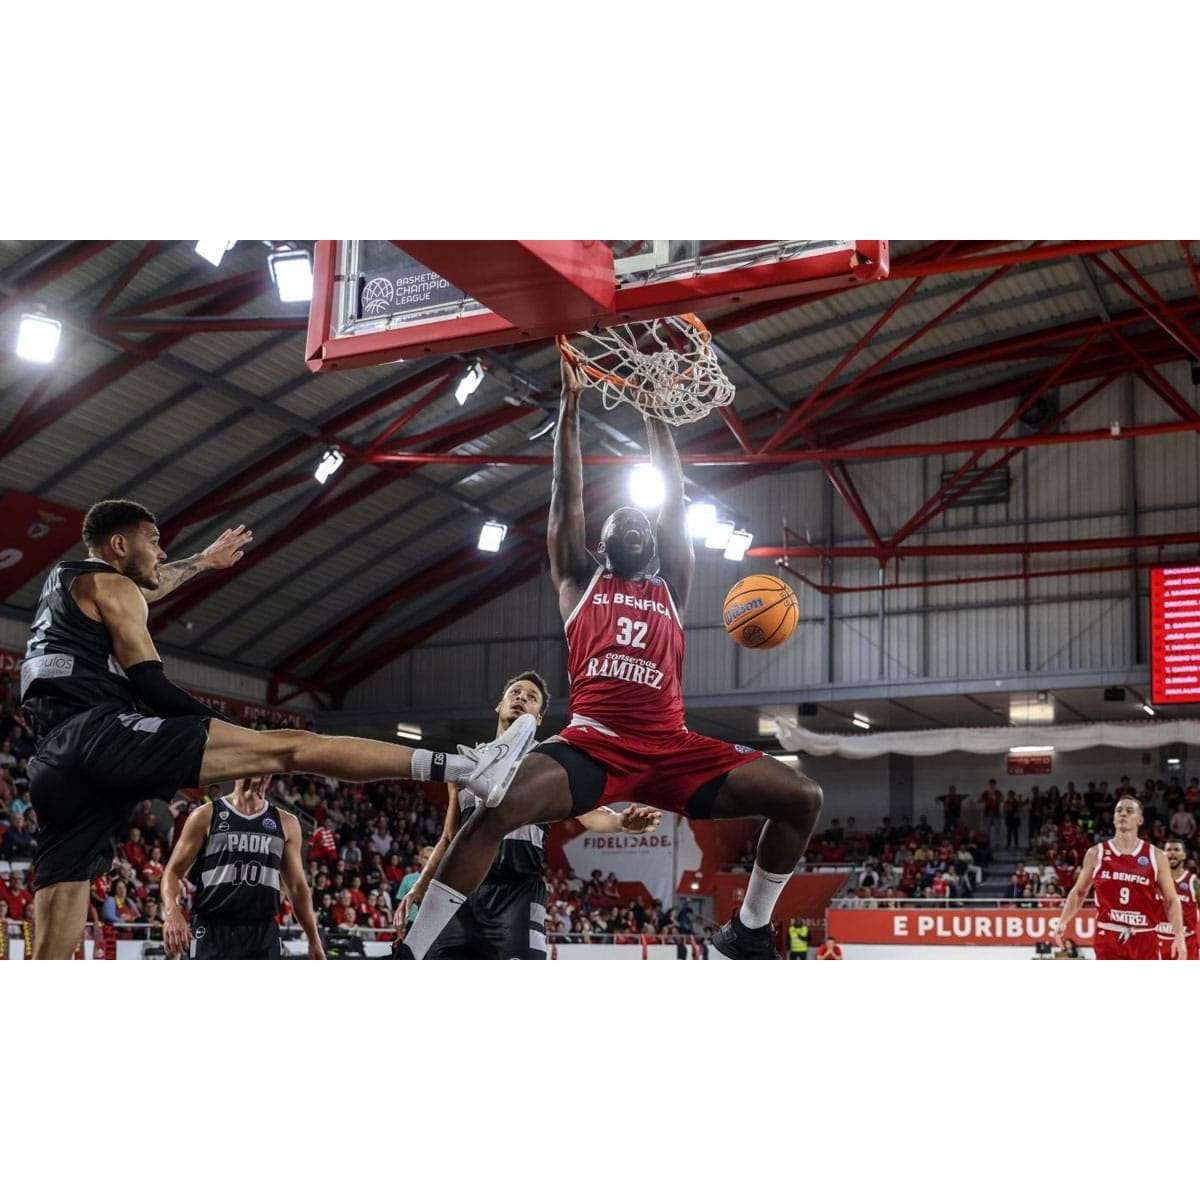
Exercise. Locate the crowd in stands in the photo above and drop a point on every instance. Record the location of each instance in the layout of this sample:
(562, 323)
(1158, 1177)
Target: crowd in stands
(595, 909)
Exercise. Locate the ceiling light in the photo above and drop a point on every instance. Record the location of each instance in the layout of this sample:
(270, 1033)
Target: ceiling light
(861, 721)
(645, 486)
(292, 272)
(468, 385)
(38, 337)
(700, 519)
(412, 732)
(1030, 712)
(738, 544)
(331, 460)
(788, 760)
(491, 536)
(1032, 750)
(214, 249)
(1148, 709)
(718, 539)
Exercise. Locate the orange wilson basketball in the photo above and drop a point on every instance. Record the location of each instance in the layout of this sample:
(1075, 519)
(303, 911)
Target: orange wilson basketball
(760, 612)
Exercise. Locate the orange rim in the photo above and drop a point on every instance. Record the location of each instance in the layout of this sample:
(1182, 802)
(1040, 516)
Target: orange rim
(585, 364)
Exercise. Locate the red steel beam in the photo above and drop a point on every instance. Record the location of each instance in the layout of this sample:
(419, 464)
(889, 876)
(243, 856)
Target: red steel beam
(310, 519)
(807, 408)
(833, 589)
(67, 259)
(838, 475)
(434, 374)
(736, 426)
(1186, 247)
(987, 262)
(1156, 309)
(190, 325)
(173, 299)
(981, 549)
(790, 457)
(149, 251)
(57, 406)
(939, 497)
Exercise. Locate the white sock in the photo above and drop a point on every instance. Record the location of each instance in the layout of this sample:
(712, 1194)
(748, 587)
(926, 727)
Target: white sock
(760, 898)
(433, 765)
(437, 909)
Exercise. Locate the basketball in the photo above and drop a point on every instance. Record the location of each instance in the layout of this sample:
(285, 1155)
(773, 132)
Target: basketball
(760, 612)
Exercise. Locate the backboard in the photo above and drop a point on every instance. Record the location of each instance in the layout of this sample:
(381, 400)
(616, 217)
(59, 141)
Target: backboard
(384, 301)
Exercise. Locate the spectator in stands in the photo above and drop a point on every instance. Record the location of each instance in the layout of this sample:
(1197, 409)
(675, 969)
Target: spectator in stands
(830, 951)
(323, 845)
(119, 908)
(16, 895)
(5, 917)
(349, 920)
(153, 919)
(1183, 824)
(1192, 795)
(409, 881)
(18, 842)
(1037, 812)
(1012, 820)
(325, 916)
(951, 804)
(1125, 788)
(990, 800)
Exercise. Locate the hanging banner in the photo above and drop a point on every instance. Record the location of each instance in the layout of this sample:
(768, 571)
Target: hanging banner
(1030, 764)
(645, 858)
(34, 534)
(955, 926)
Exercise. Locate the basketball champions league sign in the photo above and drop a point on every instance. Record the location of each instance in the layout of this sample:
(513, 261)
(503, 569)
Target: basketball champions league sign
(397, 284)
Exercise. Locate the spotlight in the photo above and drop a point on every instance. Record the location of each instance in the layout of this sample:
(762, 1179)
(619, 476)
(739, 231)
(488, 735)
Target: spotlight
(331, 460)
(738, 544)
(292, 272)
(491, 536)
(1148, 709)
(38, 337)
(645, 486)
(700, 519)
(214, 249)
(469, 383)
(859, 720)
(718, 539)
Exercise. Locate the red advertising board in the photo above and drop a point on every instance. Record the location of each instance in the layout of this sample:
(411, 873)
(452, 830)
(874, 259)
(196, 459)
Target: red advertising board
(33, 534)
(954, 926)
(1175, 635)
(1030, 764)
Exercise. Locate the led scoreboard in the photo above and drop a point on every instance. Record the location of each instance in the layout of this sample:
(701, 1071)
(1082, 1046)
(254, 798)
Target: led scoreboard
(1175, 635)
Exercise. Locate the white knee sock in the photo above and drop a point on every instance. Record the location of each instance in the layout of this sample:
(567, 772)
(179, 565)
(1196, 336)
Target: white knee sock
(761, 895)
(436, 911)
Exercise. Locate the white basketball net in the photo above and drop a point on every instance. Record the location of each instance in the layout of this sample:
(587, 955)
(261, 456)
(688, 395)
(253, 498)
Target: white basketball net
(666, 368)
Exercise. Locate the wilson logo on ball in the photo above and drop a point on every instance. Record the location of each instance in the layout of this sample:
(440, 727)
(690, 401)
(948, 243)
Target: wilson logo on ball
(732, 614)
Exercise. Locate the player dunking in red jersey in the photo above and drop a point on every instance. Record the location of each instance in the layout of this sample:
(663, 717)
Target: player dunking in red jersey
(1185, 889)
(1133, 886)
(627, 734)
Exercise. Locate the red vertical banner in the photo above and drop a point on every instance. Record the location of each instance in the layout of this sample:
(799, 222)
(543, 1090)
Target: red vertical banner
(34, 533)
(1175, 635)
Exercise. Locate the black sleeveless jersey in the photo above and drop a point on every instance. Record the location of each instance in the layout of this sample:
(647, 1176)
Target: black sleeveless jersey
(237, 874)
(522, 852)
(69, 665)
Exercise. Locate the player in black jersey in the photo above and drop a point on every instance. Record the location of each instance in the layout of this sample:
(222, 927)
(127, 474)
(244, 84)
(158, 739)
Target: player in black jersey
(242, 848)
(505, 917)
(90, 675)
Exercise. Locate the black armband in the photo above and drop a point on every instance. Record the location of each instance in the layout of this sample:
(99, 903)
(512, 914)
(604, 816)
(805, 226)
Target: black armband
(162, 697)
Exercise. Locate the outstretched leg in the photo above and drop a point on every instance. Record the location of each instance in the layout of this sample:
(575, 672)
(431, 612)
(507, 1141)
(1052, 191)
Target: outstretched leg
(540, 792)
(791, 802)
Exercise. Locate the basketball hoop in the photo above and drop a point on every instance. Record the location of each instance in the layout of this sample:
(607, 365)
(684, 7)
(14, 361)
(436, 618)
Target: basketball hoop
(666, 368)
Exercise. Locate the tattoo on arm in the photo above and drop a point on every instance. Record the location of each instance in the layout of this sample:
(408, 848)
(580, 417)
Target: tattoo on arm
(172, 575)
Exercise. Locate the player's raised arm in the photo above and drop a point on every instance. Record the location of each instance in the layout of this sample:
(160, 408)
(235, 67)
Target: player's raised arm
(637, 818)
(1166, 885)
(122, 609)
(677, 559)
(1076, 897)
(565, 534)
(224, 552)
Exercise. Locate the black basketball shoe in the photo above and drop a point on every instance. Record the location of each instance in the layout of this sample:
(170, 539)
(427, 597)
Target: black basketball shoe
(734, 940)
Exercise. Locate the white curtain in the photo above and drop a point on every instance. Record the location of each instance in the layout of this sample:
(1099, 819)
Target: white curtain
(1127, 735)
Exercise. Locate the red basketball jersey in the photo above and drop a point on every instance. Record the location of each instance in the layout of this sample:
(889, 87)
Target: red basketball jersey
(625, 661)
(1126, 887)
(1185, 886)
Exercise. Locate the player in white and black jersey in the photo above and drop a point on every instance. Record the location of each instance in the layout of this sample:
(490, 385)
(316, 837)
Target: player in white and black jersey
(240, 851)
(505, 917)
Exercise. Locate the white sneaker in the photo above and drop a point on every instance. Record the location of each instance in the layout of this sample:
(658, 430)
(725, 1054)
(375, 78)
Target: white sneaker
(499, 760)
